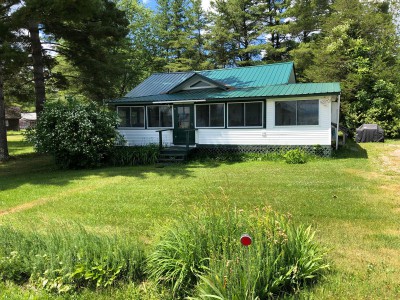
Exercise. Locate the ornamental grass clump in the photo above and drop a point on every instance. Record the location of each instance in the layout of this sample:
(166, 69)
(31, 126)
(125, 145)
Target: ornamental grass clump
(201, 255)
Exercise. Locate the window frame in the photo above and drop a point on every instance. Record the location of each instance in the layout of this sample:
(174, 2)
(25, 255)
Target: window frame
(295, 125)
(166, 127)
(244, 114)
(209, 116)
(130, 111)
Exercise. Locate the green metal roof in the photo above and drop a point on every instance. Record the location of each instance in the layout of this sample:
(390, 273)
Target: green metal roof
(273, 91)
(255, 76)
(160, 83)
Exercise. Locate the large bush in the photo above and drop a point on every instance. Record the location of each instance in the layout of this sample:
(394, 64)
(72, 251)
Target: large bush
(202, 254)
(77, 134)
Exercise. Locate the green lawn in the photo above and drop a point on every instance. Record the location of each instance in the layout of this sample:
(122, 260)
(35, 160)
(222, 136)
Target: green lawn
(353, 201)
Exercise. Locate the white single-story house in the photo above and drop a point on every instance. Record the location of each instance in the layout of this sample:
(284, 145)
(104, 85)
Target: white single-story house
(255, 108)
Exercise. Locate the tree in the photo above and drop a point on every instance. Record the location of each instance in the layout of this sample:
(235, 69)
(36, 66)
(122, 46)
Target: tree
(87, 33)
(359, 48)
(306, 18)
(234, 31)
(4, 155)
(11, 56)
(179, 32)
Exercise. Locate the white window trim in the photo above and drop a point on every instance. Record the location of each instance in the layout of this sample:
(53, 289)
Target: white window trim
(131, 127)
(208, 127)
(244, 126)
(292, 126)
(158, 127)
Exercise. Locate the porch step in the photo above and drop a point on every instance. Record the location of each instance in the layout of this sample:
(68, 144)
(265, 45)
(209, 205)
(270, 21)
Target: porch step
(172, 155)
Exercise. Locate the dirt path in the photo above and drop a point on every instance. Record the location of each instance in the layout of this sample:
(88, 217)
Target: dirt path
(61, 194)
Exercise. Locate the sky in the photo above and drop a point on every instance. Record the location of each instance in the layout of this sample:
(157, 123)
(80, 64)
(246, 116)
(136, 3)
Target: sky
(152, 4)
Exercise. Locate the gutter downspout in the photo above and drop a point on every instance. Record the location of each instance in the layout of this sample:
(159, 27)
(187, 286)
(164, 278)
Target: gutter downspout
(337, 123)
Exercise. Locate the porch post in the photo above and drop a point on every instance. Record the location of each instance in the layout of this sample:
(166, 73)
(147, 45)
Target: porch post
(187, 140)
(160, 139)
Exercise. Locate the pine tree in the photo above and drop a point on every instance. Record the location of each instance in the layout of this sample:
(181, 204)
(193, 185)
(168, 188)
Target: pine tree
(87, 33)
(179, 30)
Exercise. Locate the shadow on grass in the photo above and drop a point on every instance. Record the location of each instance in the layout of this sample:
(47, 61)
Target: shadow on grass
(40, 170)
(351, 150)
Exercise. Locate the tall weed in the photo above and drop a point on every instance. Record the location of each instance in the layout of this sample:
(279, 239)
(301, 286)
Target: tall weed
(62, 261)
(203, 252)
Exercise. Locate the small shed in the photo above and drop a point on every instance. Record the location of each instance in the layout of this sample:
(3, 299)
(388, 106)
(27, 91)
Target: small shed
(27, 120)
(370, 133)
(13, 114)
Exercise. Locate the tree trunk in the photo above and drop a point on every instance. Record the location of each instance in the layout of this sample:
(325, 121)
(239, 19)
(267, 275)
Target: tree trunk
(38, 66)
(3, 131)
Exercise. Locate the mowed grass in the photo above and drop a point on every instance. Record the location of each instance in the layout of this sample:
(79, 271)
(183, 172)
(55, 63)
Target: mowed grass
(353, 201)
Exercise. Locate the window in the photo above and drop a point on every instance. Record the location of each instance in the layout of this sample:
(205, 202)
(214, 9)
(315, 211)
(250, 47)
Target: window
(131, 116)
(301, 112)
(210, 115)
(245, 114)
(159, 116)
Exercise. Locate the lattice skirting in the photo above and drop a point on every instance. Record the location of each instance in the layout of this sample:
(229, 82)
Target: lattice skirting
(211, 150)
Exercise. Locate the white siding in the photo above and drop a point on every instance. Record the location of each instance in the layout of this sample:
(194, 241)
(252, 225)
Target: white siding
(271, 135)
(295, 136)
(300, 135)
(144, 137)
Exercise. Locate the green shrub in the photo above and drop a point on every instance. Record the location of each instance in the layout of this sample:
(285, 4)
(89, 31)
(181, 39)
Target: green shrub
(62, 261)
(78, 135)
(132, 156)
(296, 156)
(204, 250)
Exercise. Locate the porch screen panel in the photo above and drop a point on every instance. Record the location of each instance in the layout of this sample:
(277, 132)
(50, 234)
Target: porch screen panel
(253, 114)
(137, 117)
(124, 116)
(202, 115)
(165, 116)
(159, 116)
(236, 114)
(217, 115)
(210, 115)
(153, 116)
(307, 112)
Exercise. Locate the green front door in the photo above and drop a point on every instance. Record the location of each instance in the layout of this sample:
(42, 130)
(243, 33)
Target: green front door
(183, 124)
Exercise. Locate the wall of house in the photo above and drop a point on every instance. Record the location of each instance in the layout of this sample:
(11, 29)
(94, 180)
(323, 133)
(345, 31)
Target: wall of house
(141, 137)
(320, 134)
(274, 135)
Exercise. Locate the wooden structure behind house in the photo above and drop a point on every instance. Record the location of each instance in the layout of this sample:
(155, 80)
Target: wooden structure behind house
(27, 120)
(258, 108)
(13, 115)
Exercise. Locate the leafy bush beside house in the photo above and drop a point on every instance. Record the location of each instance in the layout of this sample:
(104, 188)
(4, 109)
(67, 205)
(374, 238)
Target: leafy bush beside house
(78, 135)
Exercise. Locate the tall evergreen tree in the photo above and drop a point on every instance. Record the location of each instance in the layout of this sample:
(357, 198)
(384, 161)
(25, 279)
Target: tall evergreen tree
(87, 33)
(179, 30)
(234, 32)
(12, 56)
